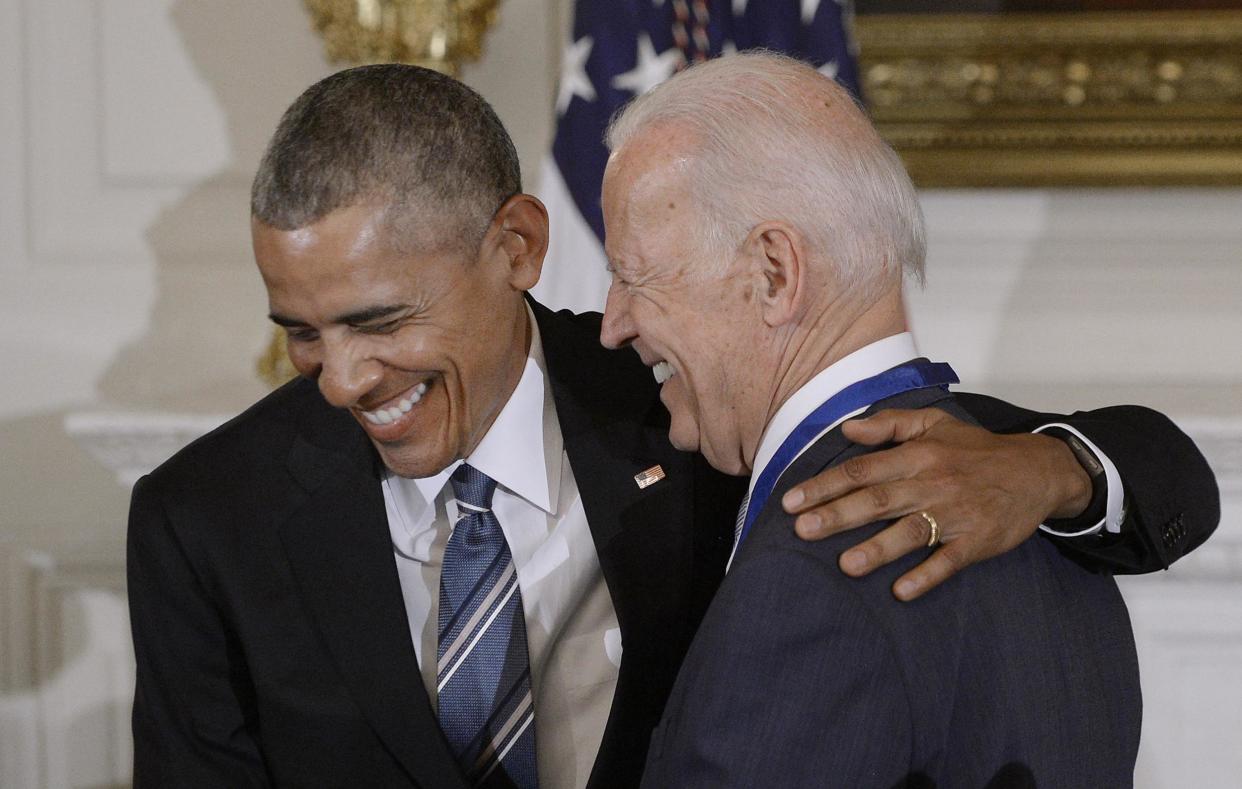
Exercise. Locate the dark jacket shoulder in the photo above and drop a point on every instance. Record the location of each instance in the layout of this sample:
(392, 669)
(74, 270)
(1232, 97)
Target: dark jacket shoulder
(950, 689)
(243, 466)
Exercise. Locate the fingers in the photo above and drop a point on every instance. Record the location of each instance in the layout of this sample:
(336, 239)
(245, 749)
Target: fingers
(901, 462)
(873, 503)
(909, 534)
(951, 558)
(893, 425)
(899, 538)
(860, 472)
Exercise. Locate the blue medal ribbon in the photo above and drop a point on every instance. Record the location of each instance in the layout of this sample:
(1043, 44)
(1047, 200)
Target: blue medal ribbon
(917, 374)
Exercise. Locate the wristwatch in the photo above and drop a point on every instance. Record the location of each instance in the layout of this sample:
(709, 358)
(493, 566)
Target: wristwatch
(1097, 508)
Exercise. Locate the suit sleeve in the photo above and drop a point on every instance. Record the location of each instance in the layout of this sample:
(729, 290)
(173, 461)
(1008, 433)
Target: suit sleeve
(192, 723)
(1174, 503)
(763, 699)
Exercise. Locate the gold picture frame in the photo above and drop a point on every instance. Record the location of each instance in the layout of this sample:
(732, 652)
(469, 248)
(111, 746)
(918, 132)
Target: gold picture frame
(1064, 99)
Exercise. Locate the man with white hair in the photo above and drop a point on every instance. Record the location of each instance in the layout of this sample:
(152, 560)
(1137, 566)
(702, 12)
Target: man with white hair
(759, 232)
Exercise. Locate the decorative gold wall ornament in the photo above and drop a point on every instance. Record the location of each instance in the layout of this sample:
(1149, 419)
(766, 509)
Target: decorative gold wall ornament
(439, 34)
(274, 367)
(1059, 99)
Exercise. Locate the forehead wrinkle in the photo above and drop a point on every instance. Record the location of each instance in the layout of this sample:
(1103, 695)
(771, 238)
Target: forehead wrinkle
(657, 192)
(368, 314)
(647, 193)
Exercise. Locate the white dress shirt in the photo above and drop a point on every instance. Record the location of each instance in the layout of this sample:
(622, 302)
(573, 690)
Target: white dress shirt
(572, 633)
(872, 360)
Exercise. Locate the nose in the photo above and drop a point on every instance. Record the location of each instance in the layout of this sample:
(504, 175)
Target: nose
(346, 375)
(617, 329)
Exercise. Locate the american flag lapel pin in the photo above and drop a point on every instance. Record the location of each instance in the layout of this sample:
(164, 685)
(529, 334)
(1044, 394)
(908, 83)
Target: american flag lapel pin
(651, 476)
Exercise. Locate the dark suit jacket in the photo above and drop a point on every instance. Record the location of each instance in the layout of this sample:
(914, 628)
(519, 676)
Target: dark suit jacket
(269, 628)
(1020, 671)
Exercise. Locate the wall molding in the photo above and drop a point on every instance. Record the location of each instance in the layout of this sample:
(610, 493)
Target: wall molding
(133, 444)
(68, 681)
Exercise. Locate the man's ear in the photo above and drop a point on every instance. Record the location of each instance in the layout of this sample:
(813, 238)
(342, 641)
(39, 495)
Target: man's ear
(519, 234)
(780, 253)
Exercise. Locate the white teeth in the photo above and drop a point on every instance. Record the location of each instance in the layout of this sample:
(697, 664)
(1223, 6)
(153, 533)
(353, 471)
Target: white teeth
(662, 372)
(386, 416)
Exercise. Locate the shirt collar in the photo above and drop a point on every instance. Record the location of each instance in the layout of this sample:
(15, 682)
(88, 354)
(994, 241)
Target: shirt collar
(524, 429)
(867, 361)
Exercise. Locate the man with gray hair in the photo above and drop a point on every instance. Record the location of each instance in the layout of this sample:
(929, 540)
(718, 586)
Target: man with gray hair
(759, 232)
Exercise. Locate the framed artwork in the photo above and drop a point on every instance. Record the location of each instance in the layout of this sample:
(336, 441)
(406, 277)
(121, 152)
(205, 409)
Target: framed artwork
(1057, 92)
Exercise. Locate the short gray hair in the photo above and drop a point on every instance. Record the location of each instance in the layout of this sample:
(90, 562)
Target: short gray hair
(767, 150)
(412, 139)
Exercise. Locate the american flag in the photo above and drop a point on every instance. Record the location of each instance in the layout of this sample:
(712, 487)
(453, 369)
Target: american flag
(622, 48)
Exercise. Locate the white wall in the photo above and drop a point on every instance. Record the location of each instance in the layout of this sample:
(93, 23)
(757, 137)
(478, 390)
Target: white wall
(1083, 298)
(128, 133)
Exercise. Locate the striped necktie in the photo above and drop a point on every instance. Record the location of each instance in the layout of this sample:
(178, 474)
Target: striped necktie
(483, 682)
(737, 529)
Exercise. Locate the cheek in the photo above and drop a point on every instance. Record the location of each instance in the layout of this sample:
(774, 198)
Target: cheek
(460, 376)
(705, 387)
(680, 400)
(304, 358)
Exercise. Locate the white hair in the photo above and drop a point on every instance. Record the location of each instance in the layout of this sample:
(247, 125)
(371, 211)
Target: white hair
(777, 140)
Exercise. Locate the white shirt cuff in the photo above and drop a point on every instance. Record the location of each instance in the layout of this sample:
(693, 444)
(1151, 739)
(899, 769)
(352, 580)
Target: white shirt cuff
(1114, 511)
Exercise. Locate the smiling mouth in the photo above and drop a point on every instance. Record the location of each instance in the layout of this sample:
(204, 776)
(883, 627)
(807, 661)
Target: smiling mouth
(397, 407)
(662, 371)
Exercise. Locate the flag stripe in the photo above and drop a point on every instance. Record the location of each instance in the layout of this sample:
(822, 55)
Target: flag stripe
(618, 50)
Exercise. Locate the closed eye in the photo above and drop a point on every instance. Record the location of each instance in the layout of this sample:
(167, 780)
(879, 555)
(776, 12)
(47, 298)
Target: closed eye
(387, 327)
(302, 335)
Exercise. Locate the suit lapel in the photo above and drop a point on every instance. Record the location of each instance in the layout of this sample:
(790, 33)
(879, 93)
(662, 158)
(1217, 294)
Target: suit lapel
(338, 545)
(642, 536)
(614, 427)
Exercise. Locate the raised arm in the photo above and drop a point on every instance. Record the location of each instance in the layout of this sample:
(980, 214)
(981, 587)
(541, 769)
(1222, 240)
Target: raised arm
(988, 490)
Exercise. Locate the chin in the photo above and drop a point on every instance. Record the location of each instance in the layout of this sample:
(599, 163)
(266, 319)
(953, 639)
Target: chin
(685, 440)
(410, 463)
(729, 464)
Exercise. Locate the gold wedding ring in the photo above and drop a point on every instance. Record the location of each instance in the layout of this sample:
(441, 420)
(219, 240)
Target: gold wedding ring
(934, 539)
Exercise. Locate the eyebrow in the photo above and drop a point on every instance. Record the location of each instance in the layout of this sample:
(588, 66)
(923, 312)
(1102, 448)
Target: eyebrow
(365, 315)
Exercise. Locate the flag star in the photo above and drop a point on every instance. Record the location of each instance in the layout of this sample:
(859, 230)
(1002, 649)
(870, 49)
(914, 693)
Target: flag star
(739, 7)
(809, 8)
(728, 48)
(651, 68)
(830, 69)
(574, 79)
